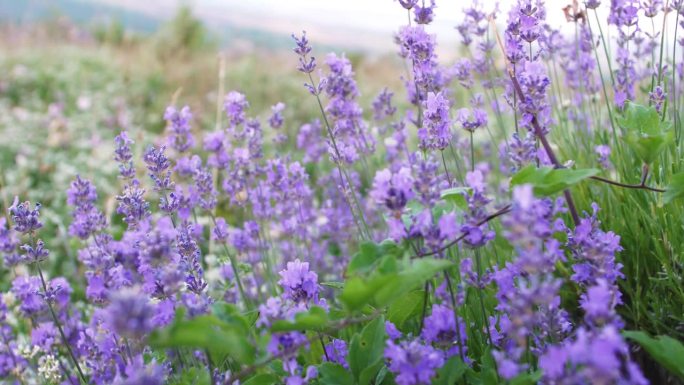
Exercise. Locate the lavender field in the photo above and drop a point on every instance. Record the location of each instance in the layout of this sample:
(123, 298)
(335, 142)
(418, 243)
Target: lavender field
(505, 208)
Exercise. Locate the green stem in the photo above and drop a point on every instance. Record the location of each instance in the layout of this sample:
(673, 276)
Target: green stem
(455, 308)
(236, 271)
(59, 327)
(338, 162)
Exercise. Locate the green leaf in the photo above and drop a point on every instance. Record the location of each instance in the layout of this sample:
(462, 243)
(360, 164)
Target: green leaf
(208, 332)
(333, 284)
(334, 374)
(314, 319)
(527, 378)
(667, 351)
(370, 373)
(366, 348)
(675, 189)
(370, 255)
(451, 372)
(400, 311)
(230, 314)
(640, 118)
(358, 292)
(548, 181)
(411, 278)
(195, 376)
(457, 196)
(647, 135)
(382, 289)
(262, 379)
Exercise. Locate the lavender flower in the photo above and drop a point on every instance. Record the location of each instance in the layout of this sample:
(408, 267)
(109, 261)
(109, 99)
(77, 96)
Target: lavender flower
(26, 220)
(235, 105)
(276, 119)
(299, 283)
(123, 155)
(436, 130)
(158, 165)
(179, 125)
(412, 362)
(130, 314)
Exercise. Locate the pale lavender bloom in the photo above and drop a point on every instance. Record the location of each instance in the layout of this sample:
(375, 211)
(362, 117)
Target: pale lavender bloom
(179, 125)
(436, 131)
(129, 314)
(603, 152)
(276, 119)
(299, 283)
(235, 106)
(657, 98)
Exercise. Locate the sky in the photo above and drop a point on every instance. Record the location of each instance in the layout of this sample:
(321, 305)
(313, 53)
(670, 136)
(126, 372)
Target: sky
(362, 24)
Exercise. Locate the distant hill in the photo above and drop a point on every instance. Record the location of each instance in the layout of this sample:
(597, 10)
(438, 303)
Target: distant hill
(89, 13)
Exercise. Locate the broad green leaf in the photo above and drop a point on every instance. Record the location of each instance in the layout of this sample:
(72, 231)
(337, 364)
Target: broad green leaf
(366, 349)
(383, 289)
(370, 254)
(649, 146)
(451, 372)
(231, 315)
(675, 189)
(262, 379)
(370, 373)
(640, 118)
(314, 319)
(666, 350)
(208, 332)
(527, 378)
(334, 374)
(548, 181)
(358, 292)
(411, 278)
(647, 135)
(456, 195)
(410, 305)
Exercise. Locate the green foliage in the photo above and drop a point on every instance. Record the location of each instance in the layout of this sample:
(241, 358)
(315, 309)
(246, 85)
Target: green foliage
(262, 379)
(221, 339)
(381, 289)
(184, 34)
(456, 196)
(549, 181)
(314, 319)
(452, 372)
(371, 255)
(334, 374)
(401, 311)
(665, 350)
(647, 134)
(366, 350)
(675, 189)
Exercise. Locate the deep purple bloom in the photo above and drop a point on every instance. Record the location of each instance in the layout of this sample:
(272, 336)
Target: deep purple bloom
(26, 220)
(158, 165)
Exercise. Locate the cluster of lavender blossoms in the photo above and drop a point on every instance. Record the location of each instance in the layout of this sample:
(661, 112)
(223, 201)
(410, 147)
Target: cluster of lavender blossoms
(222, 261)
